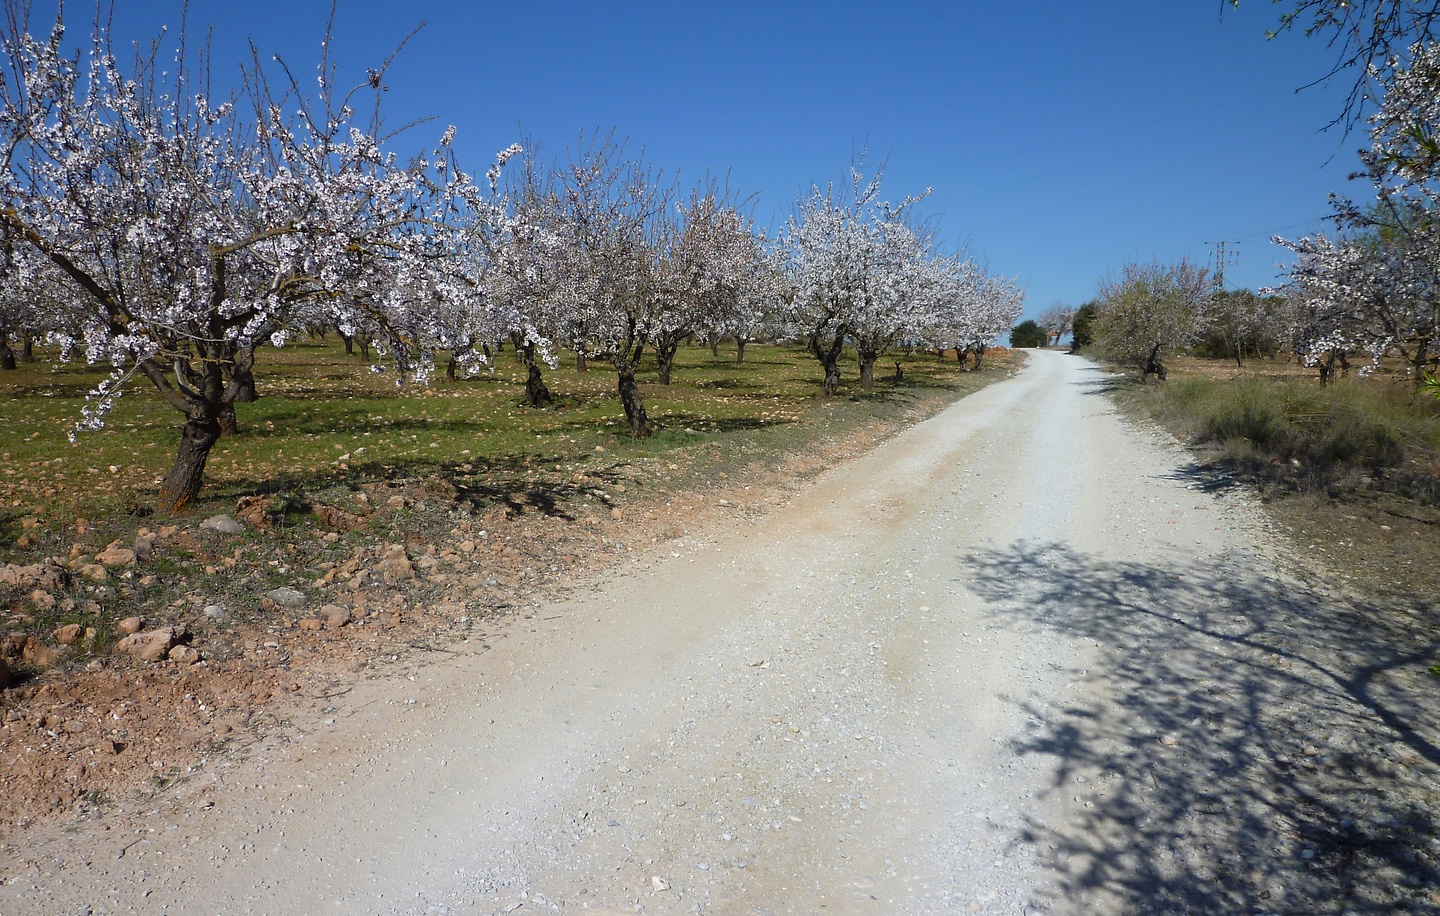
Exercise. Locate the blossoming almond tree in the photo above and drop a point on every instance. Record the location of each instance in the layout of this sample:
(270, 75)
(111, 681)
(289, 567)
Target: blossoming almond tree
(610, 211)
(706, 267)
(1376, 287)
(195, 235)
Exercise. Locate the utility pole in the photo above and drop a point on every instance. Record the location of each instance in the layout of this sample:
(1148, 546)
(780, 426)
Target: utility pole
(1223, 256)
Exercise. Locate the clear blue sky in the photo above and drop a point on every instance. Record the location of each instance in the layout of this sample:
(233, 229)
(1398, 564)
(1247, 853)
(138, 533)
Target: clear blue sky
(1061, 138)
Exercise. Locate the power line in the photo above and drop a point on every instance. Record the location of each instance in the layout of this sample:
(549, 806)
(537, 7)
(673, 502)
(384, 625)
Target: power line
(1273, 232)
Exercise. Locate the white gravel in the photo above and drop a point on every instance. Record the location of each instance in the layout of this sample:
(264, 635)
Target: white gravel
(1018, 659)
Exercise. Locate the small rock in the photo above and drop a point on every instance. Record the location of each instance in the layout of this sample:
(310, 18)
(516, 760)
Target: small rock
(659, 883)
(311, 624)
(616, 514)
(150, 645)
(69, 634)
(186, 655)
(144, 546)
(395, 567)
(395, 502)
(1169, 740)
(466, 546)
(43, 600)
(93, 571)
(289, 598)
(115, 555)
(36, 653)
(216, 612)
(129, 626)
(600, 448)
(221, 523)
(335, 616)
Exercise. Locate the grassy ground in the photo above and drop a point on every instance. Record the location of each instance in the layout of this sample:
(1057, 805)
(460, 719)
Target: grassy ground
(323, 416)
(1352, 469)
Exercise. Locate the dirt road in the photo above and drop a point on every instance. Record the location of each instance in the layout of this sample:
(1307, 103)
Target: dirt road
(1018, 659)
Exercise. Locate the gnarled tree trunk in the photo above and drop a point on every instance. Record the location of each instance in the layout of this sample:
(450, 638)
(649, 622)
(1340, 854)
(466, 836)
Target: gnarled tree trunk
(867, 371)
(665, 358)
(536, 392)
(182, 484)
(634, 406)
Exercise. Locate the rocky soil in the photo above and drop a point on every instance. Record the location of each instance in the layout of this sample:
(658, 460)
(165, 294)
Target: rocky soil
(196, 639)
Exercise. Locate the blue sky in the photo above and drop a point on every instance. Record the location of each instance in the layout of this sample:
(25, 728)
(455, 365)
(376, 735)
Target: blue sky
(1061, 139)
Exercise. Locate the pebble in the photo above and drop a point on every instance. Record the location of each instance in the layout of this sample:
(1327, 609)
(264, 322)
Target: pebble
(223, 524)
(289, 598)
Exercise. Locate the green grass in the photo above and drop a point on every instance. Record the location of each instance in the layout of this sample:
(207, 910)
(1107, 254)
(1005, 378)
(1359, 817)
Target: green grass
(326, 423)
(1313, 437)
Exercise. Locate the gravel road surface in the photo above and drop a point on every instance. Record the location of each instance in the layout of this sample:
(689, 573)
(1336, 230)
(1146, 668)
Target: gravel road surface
(1023, 658)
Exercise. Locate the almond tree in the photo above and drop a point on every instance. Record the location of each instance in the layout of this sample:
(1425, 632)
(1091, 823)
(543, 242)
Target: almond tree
(847, 254)
(706, 272)
(1056, 320)
(904, 286)
(194, 234)
(1150, 311)
(757, 310)
(1376, 286)
(609, 213)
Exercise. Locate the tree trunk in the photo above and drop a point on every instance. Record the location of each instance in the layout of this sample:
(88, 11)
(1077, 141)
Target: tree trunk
(899, 372)
(867, 372)
(7, 355)
(536, 393)
(27, 346)
(714, 348)
(827, 345)
(832, 377)
(349, 343)
(580, 363)
(450, 366)
(634, 406)
(239, 386)
(182, 484)
(1420, 360)
(979, 356)
(244, 382)
(364, 340)
(665, 359)
(739, 351)
(1152, 365)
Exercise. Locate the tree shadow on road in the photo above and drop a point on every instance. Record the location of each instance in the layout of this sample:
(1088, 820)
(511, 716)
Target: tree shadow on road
(1245, 744)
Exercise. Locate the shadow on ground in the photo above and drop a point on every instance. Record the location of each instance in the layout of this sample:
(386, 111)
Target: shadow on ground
(1259, 747)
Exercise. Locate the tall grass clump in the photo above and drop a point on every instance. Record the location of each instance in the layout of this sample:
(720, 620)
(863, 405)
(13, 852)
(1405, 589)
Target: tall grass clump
(1360, 430)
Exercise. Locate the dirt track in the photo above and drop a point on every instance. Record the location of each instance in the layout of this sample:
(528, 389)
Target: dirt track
(1019, 658)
